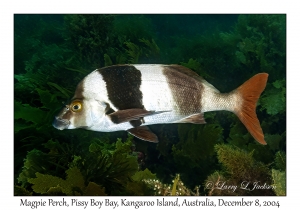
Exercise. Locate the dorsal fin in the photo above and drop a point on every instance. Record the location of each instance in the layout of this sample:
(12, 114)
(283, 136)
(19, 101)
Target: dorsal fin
(188, 72)
(184, 70)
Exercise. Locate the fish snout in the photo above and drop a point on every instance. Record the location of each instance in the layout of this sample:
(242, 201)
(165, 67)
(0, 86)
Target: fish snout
(60, 123)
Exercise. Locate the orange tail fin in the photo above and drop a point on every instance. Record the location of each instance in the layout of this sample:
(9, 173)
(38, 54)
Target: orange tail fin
(250, 92)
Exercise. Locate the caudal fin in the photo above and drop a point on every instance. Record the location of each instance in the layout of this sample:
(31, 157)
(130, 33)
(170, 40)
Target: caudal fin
(250, 92)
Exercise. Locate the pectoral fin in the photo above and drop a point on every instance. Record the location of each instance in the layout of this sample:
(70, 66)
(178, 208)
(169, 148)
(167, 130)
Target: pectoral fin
(144, 133)
(130, 115)
(195, 119)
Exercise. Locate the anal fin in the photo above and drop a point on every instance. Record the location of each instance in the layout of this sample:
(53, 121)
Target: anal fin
(144, 133)
(195, 119)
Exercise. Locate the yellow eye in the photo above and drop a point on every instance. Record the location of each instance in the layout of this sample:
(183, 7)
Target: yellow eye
(76, 106)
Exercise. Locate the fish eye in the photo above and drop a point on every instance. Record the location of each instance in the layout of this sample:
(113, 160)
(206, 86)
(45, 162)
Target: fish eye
(76, 106)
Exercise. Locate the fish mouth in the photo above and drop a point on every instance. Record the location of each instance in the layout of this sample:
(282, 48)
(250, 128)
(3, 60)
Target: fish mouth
(60, 123)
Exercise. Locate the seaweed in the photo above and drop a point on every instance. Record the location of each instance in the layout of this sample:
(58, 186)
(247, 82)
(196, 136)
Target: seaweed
(31, 117)
(173, 192)
(193, 156)
(239, 169)
(73, 185)
(18, 190)
(196, 143)
(279, 181)
(91, 34)
(145, 51)
(279, 174)
(274, 99)
(142, 175)
(53, 158)
(240, 164)
(177, 188)
(34, 162)
(213, 181)
(262, 42)
(113, 170)
(280, 161)
(110, 167)
(196, 66)
(138, 184)
(133, 27)
(133, 52)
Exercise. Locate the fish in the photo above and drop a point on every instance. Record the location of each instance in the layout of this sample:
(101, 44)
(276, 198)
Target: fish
(129, 97)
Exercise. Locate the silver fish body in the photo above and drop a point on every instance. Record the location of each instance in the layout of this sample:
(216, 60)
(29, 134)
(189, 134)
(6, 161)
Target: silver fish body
(130, 97)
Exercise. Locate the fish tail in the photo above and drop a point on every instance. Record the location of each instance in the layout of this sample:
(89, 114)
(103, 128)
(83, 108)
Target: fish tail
(249, 93)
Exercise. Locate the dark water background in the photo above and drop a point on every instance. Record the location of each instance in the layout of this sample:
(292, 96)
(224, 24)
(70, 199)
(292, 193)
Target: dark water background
(52, 53)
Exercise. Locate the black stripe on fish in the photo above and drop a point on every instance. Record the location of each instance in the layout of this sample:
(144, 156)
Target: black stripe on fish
(123, 87)
(79, 91)
(186, 88)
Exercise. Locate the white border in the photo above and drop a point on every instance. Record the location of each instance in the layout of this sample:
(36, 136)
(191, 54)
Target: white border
(254, 6)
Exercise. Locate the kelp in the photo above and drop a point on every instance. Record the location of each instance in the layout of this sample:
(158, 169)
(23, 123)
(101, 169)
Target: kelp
(274, 99)
(73, 185)
(279, 173)
(240, 164)
(194, 153)
(262, 42)
(91, 35)
(213, 181)
(144, 52)
(239, 169)
(35, 161)
(31, 117)
(196, 66)
(279, 181)
(196, 143)
(147, 50)
(37, 116)
(138, 185)
(143, 175)
(173, 192)
(112, 172)
(280, 161)
(53, 158)
(21, 191)
(240, 137)
(177, 188)
(133, 52)
(133, 27)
